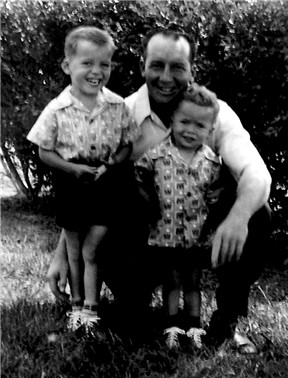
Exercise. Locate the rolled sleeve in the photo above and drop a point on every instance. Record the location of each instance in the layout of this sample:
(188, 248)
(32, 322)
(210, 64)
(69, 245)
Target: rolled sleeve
(238, 152)
(44, 131)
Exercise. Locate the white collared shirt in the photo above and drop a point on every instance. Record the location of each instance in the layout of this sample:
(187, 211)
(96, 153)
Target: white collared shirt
(229, 138)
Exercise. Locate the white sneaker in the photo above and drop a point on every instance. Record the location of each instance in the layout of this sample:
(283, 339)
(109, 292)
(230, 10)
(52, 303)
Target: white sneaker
(75, 318)
(89, 320)
(172, 336)
(244, 345)
(195, 334)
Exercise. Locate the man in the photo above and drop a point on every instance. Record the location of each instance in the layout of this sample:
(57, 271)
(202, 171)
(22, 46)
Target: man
(240, 239)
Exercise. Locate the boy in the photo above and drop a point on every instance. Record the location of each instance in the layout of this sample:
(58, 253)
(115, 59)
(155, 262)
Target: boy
(184, 170)
(84, 132)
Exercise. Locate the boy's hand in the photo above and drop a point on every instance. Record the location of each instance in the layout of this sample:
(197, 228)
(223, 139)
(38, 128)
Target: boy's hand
(85, 173)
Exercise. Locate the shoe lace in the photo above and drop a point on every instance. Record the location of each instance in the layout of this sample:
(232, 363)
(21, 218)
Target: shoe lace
(195, 334)
(89, 321)
(172, 336)
(74, 321)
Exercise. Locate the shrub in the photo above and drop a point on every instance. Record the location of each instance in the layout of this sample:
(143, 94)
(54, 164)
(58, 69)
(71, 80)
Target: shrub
(242, 56)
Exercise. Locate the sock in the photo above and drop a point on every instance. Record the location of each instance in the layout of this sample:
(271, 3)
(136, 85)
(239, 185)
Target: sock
(90, 307)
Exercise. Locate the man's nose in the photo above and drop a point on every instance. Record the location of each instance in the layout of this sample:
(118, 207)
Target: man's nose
(166, 74)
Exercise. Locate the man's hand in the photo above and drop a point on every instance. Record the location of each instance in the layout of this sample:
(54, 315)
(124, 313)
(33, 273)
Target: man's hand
(229, 240)
(58, 271)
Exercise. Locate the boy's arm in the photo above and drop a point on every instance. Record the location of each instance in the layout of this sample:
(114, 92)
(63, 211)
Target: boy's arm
(80, 171)
(123, 153)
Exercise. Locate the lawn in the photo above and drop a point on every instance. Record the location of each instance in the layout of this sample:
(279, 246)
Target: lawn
(36, 343)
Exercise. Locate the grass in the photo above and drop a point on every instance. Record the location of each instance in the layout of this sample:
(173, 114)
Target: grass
(36, 343)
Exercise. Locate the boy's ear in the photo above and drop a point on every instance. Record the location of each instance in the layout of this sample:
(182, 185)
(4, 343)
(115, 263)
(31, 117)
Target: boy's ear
(65, 66)
(142, 66)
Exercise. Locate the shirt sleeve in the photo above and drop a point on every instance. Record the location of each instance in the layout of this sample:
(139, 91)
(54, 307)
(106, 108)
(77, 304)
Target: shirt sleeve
(130, 130)
(233, 143)
(44, 131)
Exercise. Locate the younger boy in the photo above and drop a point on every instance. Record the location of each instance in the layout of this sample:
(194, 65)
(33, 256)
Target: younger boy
(83, 133)
(184, 170)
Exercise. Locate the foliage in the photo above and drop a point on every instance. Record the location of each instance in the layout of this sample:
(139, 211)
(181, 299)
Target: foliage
(242, 56)
(36, 343)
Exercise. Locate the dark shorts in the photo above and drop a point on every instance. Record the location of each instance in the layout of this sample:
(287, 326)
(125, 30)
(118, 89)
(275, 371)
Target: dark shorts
(103, 202)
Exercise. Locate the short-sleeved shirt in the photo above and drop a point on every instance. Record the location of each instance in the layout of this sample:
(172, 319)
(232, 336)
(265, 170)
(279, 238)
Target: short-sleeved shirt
(229, 139)
(67, 127)
(181, 189)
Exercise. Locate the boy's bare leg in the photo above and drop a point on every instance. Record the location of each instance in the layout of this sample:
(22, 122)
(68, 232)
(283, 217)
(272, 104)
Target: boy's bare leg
(192, 295)
(91, 273)
(74, 252)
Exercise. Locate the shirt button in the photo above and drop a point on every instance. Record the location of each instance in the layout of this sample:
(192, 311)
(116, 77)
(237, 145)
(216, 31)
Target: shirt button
(189, 194)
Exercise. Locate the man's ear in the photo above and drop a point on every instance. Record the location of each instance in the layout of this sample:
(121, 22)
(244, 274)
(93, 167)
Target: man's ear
(65, 66)
(142, 66)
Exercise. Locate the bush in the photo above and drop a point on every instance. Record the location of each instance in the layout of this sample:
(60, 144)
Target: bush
(242, 56)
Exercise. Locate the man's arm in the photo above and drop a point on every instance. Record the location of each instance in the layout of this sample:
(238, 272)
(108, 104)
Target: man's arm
(58, 271)
(253, 189)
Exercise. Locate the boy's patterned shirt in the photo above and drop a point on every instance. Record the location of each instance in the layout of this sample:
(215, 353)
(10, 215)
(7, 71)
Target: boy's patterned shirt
(68, 128)
(181, 190)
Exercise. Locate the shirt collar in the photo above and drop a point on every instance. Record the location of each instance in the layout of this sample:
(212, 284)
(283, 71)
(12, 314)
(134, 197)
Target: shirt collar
(142, 109)
(66, 99)
(167, 147)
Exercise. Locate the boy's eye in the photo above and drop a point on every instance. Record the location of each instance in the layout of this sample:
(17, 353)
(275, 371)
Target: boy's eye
(185, 121)
(87, 63)
(105, 65)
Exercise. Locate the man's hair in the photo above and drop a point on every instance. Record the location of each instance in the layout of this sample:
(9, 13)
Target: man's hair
(173, 32)
(87, 33)
(201, 96)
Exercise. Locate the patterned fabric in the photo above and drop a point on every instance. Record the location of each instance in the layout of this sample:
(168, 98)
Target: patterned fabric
(67, 127)
(181, 190)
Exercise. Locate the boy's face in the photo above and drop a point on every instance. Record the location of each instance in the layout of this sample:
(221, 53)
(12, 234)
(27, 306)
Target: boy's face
(167, 68)
(89, 69)
(191, 125)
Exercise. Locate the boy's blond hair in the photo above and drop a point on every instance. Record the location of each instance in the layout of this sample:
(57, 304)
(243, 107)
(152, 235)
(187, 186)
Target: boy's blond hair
(87, 33)
(201, 96)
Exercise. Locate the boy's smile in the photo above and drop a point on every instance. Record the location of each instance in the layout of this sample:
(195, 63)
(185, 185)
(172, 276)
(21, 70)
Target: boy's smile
(89, 69)
(191, 125)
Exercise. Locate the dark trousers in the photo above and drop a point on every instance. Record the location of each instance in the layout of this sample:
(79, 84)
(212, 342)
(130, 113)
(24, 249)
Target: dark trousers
(132, 271)
(235, 279)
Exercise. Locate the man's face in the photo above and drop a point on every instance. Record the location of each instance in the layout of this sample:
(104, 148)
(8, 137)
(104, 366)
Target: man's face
(167, 68)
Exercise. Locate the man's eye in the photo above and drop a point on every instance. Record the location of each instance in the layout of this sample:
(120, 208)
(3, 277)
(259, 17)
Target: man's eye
(156, 65)
(178, 68)
(105, 65)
